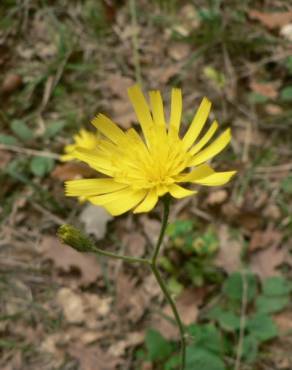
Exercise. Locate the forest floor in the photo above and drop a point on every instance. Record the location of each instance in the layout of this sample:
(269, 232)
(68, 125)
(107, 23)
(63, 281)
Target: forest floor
(227, 255)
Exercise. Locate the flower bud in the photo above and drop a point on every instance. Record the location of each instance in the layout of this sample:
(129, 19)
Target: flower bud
(73, 237)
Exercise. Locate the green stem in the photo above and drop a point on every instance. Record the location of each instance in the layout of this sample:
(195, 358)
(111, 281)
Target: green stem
(121, 257)
(154, 268)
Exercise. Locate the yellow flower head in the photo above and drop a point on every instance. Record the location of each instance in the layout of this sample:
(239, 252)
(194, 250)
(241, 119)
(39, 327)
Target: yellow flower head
(140, 170)
(84, 139)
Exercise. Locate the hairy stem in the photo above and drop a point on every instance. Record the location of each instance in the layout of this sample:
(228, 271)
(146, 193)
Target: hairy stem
(154, 268)
(122, 257)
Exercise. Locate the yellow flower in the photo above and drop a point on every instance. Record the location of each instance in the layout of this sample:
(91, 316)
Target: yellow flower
(84, 139)
(140, 170)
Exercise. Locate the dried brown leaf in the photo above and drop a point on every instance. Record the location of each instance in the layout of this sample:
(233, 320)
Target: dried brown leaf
(131, 300)
(269, 90)
(5, 158)
(135, 244)
(179, 51)
(65, 259)
(264, 262)
(263, 239)
(93, 357)
(187, 306)
(71, 171)
(229, 254)
(273, 109)
(11, 83)
(271, 20)
(217, 197)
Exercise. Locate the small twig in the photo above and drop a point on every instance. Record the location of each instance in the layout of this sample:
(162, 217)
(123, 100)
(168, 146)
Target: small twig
(247, 142)
(279, 168)
(242, 321)
(28, 151)
(51, 83)
(57, 220)
(135, 41)
(204, 215)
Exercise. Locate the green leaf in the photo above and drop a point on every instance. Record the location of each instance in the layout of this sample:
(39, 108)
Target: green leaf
(288, 64)
(201, 359)
(172, 363)
(286, 94)
(229, 321)
(206, 336)
(286, 185)
(207, 244)
(40, 166)
(250, 348)
(174, 286)
(233, 287)
(8, 140)
(257, 98)
(140, 354)
(53, 129)
(276, 285)
(21, 130)
(217, 77)
(179, 228)
(157, 346)
(262, 327)
(166, 264)
(266, 304)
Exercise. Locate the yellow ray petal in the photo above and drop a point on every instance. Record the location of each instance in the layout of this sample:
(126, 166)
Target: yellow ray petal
(197, 124)
(91, 187)
(200, 172)
(142, 110)
(94, 159)
(120, 201)
(157, 108)
(216, 179)
(211, 150)
(148, 203)
(108, 128)
(208, 136)
(179, 192)
(175, 110)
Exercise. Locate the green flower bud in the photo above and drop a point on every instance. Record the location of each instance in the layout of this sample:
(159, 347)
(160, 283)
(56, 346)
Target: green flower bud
(75, 238)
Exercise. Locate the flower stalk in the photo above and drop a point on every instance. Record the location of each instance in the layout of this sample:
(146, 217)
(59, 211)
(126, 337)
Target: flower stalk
(167, 295)
(82, 243)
